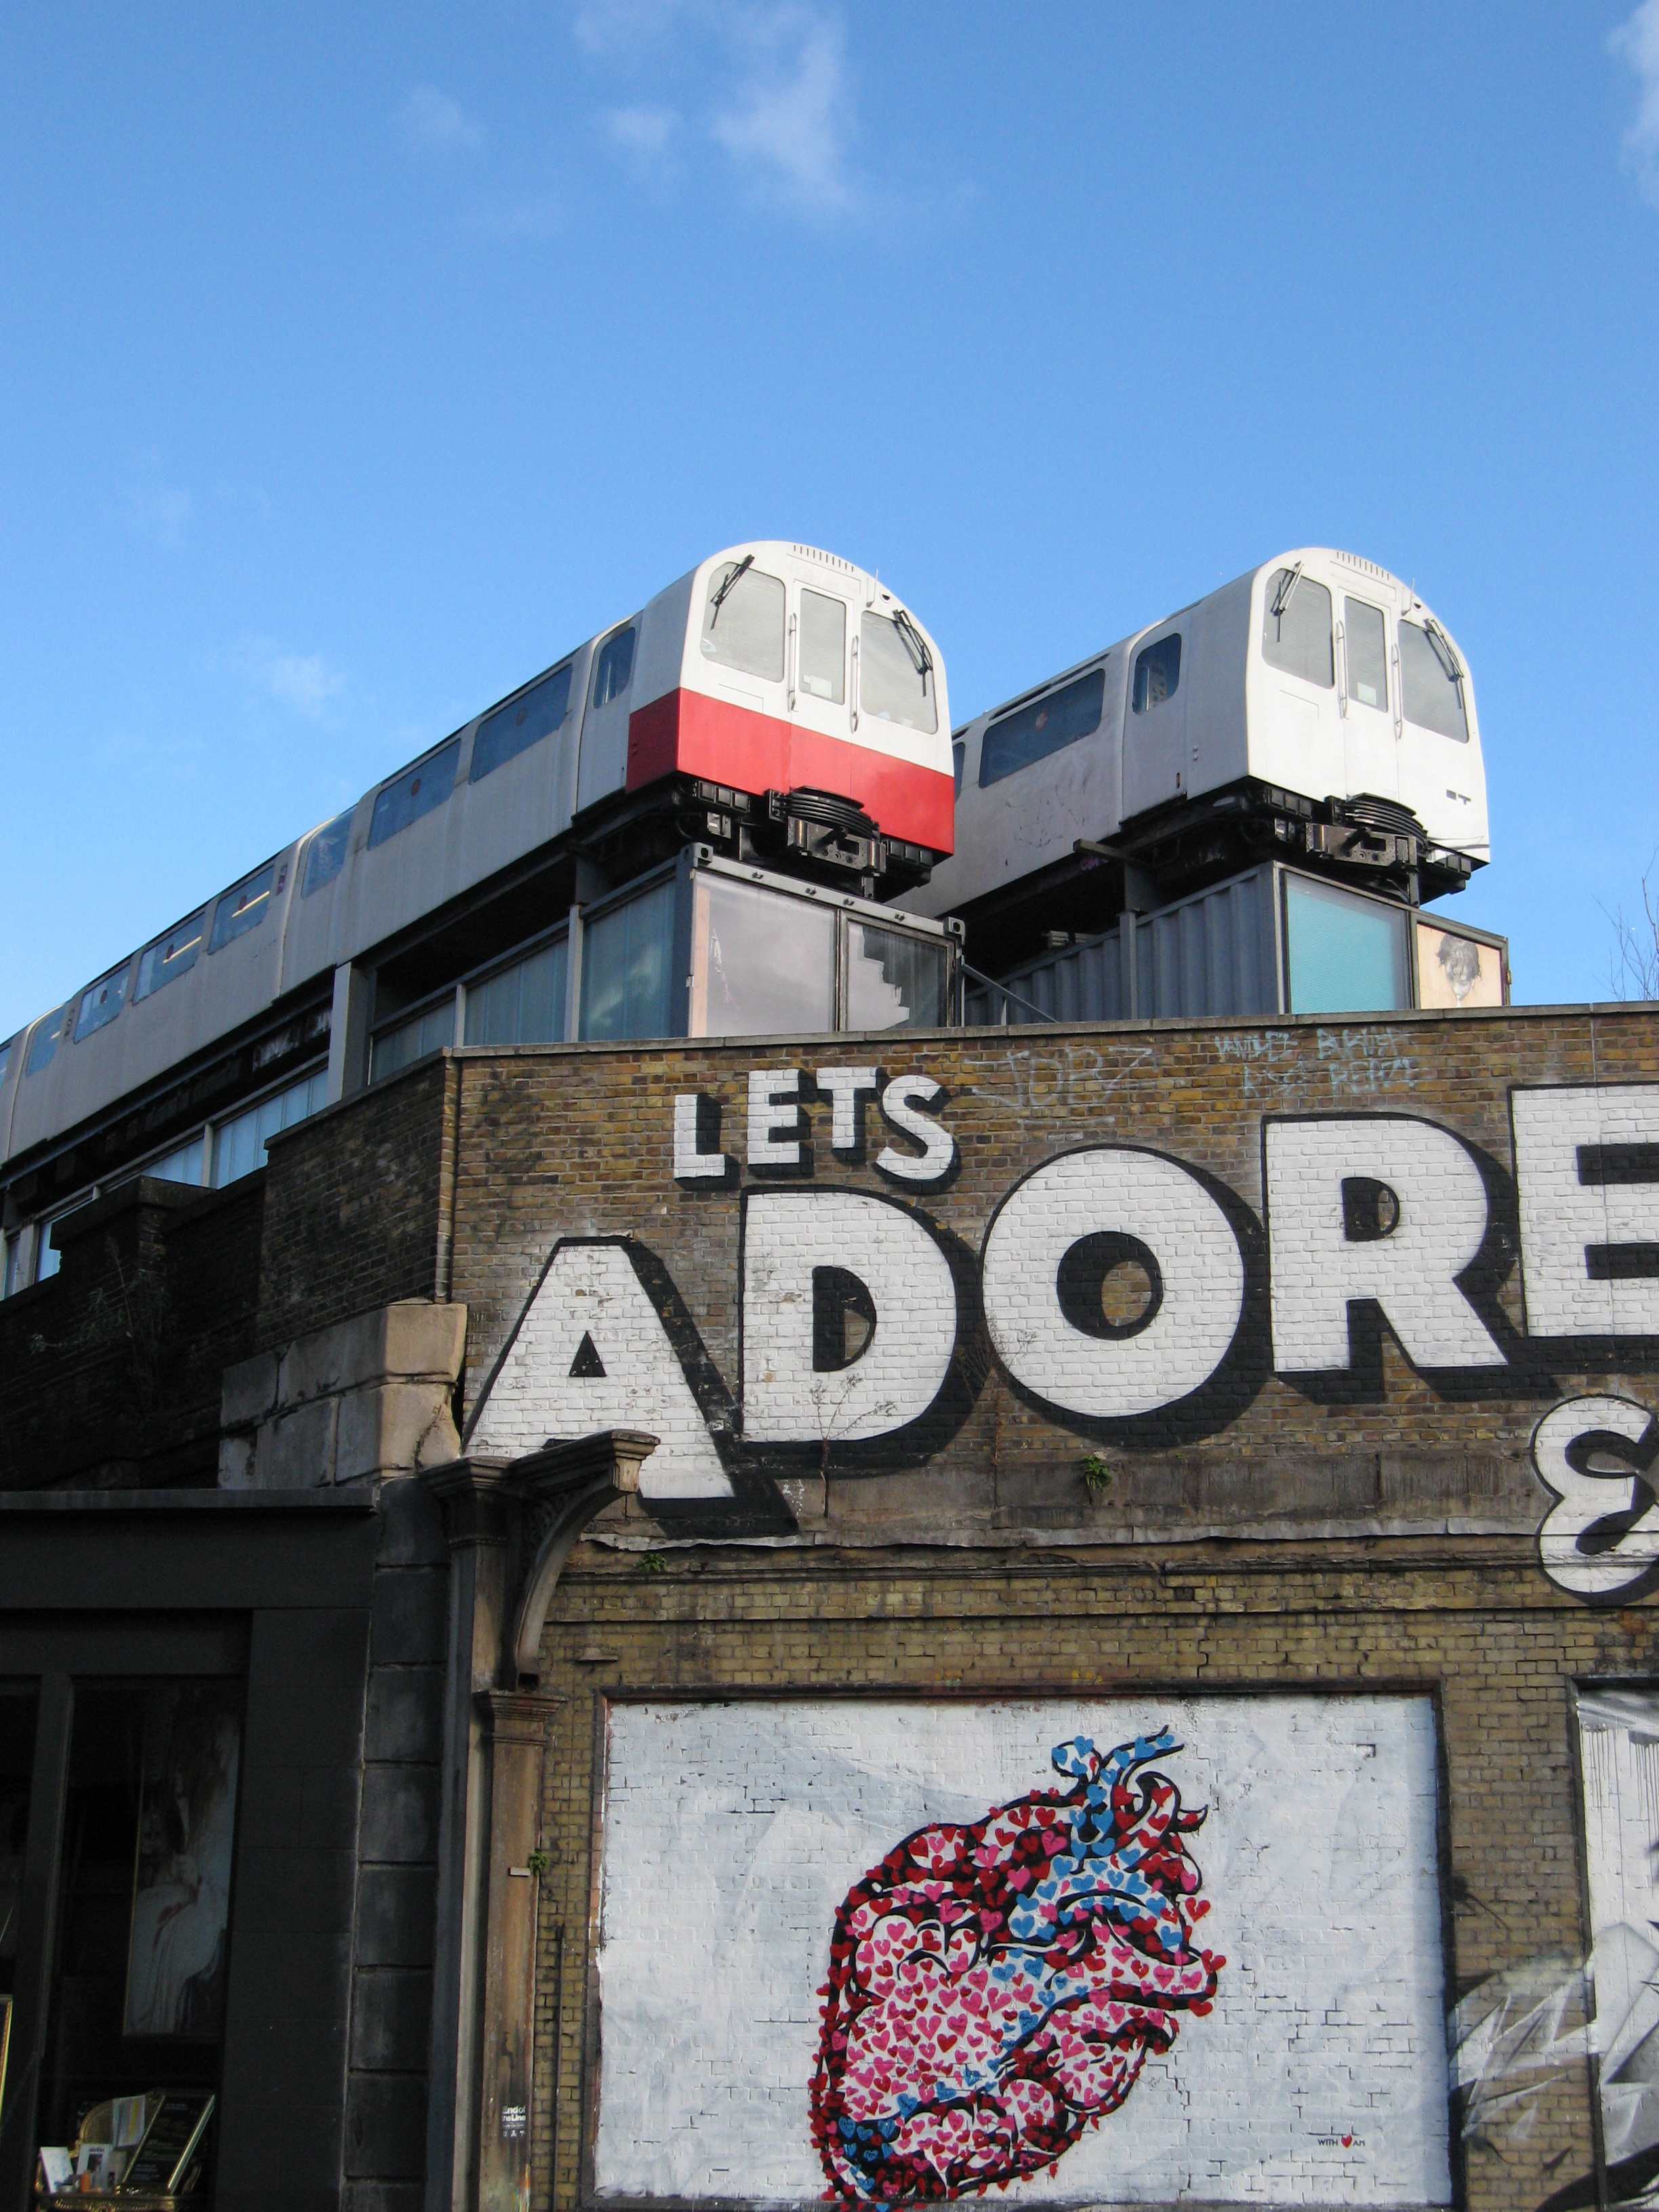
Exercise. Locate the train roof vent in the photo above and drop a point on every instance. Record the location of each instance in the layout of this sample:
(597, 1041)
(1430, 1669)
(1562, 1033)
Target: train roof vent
(829, 560)
(1366, 568)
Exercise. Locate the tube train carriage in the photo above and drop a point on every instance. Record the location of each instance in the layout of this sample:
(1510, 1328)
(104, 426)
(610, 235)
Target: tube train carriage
(1314, 711)
(777, 705)
(681, 828)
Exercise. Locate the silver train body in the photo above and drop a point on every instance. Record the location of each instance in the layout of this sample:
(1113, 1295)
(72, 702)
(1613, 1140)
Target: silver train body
(1314, 710)
(799, 675)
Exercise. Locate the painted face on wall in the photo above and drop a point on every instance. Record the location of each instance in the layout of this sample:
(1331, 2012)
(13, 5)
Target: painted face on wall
(995, 1986)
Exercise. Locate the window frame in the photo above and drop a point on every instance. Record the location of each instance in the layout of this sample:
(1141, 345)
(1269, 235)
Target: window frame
(1143, 657)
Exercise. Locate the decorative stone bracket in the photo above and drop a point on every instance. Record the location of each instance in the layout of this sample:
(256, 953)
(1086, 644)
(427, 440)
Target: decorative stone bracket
(511, 1525)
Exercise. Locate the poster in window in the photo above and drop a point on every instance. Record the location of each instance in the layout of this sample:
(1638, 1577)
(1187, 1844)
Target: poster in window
(1453, 971)
(181, 1885)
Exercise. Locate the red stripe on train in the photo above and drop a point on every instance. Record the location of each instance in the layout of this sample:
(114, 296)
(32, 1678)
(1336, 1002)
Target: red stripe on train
(690, 734)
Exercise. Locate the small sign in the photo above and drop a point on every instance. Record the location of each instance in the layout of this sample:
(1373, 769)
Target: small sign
(160, 2164)
(514, 2120)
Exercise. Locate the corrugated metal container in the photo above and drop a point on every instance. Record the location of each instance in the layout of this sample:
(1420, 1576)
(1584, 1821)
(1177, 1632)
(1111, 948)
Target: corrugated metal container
(1216, 953)
(1223, 951)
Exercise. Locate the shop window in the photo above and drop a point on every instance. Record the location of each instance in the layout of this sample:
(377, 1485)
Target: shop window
(239, 1146)
(137, 1992)
(761, 966)
(520, 1004)
(1346, 955)
(627, 960)
(894, 980)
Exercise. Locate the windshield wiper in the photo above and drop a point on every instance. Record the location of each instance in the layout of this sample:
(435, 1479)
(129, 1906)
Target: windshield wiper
(915, 644)
(719, 599)
(1288, 580)
(1443, 650)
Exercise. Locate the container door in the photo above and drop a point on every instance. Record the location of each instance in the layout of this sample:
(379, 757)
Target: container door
(1364, 679)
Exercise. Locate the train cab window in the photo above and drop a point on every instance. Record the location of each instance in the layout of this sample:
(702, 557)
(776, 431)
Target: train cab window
(415, 793)
(326, 854)
(523, 722)
(613, 667)
(103, 1001)
(743, 620)
(244, 907)
(1158, 672)
(1296, 628)
(1366, 643)
(896, 672)
(1058, 719)
(823, 647)
(43, 1045)
(170, 957)
(1431, 682)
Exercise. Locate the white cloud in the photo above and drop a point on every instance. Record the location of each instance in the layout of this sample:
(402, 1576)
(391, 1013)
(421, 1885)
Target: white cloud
(1636, 42)
(791, 124)
(304, 681)
(642, 132)
(433, 122)
(608, 27)
(155, 509)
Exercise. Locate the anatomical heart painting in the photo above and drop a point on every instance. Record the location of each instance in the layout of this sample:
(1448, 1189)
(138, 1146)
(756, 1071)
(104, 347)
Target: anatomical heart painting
(877, 1953)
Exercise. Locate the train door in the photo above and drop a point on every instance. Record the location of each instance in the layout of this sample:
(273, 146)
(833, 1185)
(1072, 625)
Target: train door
(823, 621)
(1440, 773)
(1366, 693)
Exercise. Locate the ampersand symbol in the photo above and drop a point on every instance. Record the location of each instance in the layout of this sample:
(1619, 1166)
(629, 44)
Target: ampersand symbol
(1596, 1456)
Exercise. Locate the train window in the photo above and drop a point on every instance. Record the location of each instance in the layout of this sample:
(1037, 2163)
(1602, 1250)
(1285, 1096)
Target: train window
(958, 760)
(415, 793)
(1032, 732)
(894, 980)
(5, 1057)
(1158, 672)
(627, 959)
(523, 722)
(326, 854)
(243, 908)
(1431, 682)
(103, 1001)
(239, 1146)
(170, 957)
(520, 1004)
(1368, 653)
(823, 647)
(1296, 628)
(613, 667)
(743, 621)
(43, 1045)
(895, 674)
(761, 966)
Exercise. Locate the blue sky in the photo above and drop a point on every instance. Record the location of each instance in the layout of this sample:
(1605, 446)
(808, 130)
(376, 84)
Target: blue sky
(357, 362)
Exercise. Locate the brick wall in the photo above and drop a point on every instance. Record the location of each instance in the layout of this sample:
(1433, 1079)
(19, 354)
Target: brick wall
(358, 1204)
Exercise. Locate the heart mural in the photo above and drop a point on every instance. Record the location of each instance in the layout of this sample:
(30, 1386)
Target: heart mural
(995, 1986)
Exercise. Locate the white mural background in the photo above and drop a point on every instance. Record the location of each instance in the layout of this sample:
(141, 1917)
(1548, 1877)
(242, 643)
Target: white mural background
(732, 1833)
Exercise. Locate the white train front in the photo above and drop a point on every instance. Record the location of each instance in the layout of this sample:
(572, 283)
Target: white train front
(1314, 707)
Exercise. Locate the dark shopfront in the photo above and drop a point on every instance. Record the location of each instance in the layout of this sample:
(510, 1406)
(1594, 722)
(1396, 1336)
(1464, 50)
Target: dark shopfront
(181, 1728)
